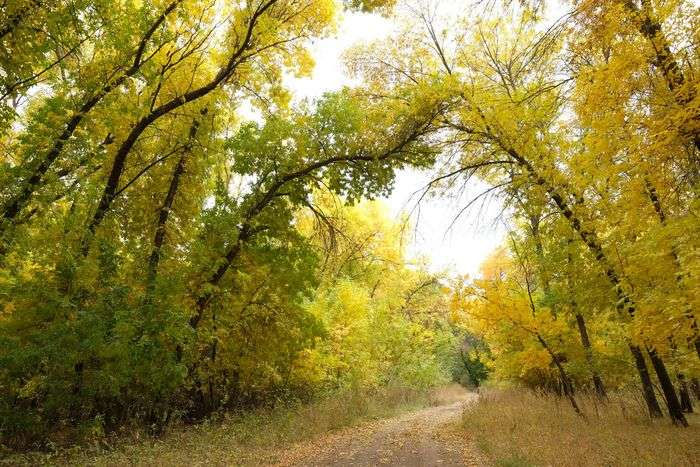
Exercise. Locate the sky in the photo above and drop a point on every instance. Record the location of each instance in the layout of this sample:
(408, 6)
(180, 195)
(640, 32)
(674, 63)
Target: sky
(455, 246)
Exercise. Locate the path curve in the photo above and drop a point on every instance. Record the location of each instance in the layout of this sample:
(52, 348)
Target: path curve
(428, 437)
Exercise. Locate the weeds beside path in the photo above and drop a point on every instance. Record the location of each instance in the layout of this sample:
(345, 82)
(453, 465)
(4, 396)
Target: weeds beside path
(520, 428)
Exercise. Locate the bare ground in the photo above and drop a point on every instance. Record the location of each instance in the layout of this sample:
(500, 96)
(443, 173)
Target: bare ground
(427, 437)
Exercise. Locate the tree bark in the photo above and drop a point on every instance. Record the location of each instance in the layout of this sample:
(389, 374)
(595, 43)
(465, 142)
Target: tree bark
(672, 402)
(246, 231)
(164, 212)
(539, 250)
(585, 341)
(583, 333)
(686, 403)
(647, 385)
(695, 386)
(567, 384)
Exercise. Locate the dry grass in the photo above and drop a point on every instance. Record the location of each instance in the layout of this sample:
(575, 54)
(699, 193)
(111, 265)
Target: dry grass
(521, 428)
(254, 437)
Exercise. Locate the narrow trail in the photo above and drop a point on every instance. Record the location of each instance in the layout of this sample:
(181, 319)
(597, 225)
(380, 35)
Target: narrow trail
(428, 437)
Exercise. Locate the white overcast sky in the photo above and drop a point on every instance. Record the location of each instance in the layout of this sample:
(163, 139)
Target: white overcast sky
(457, 247)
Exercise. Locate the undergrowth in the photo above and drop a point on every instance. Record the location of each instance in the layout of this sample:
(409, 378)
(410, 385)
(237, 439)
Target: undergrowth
(519, 428)
(249, 437)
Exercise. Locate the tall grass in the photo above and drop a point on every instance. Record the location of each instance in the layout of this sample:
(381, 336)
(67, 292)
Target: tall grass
(522, 428)
(250, 437)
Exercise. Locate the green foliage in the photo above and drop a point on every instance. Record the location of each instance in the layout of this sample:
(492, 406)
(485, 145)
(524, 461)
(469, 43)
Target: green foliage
(383, 322)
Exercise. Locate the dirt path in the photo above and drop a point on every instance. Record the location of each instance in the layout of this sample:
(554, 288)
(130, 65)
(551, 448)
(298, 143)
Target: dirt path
(427, 437)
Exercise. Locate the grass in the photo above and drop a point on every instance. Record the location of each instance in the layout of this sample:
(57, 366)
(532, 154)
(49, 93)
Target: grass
(518, 428)
(252, 437)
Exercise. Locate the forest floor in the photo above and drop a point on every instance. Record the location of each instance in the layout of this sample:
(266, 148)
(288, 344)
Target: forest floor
(427, 437)
(392, 426)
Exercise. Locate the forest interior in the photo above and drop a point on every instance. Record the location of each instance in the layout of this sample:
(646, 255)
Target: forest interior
(201, 262)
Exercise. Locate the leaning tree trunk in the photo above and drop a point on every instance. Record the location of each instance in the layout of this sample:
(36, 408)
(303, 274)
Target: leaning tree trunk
(28, 187)
(672, 402)
(653, 196)
(567, 384)
(665, 61)
(164, 212)
(539, 250)
(647, 385)
(585, 341)
(110, 192)
(686, 403)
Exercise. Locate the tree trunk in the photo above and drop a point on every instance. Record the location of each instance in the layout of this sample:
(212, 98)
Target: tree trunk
(647, 385)
(674, 406)
(110, 191)
(567, 384)
(666, 62)
(539, 250)
(164, 212)
(686, 404)
(585, 341)
(695, 386)
(583, 333)
(689, 312)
